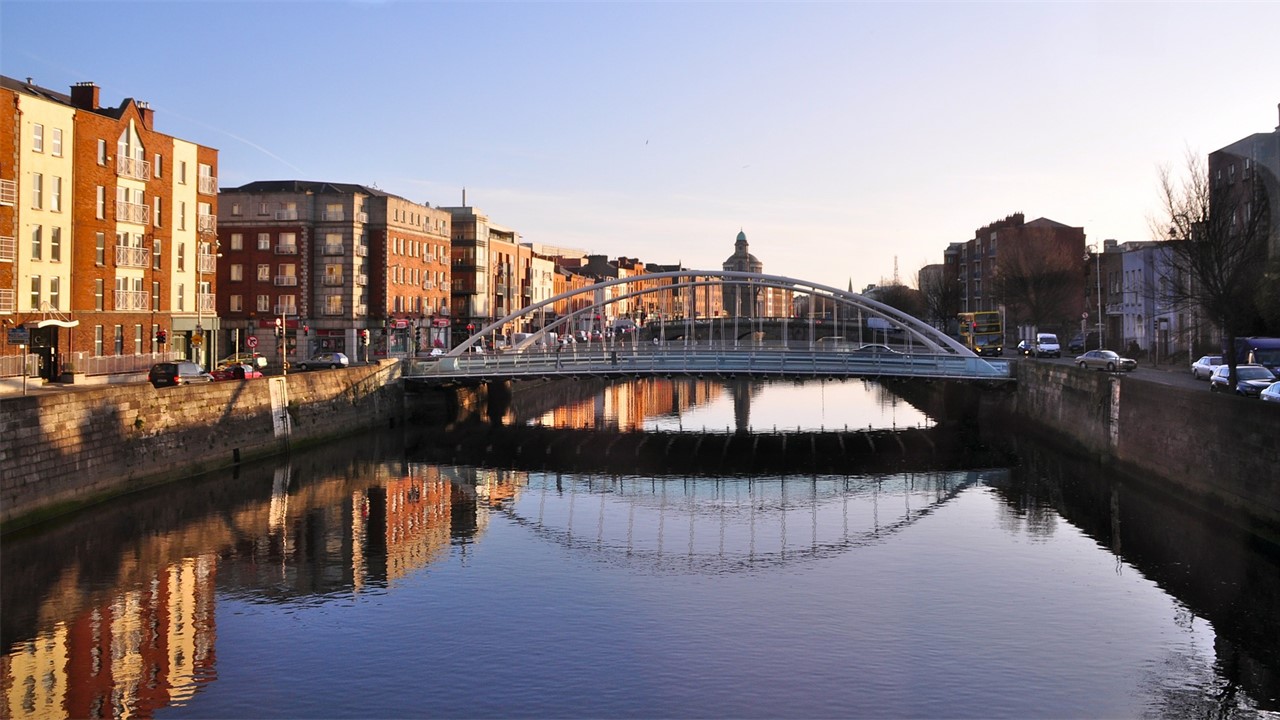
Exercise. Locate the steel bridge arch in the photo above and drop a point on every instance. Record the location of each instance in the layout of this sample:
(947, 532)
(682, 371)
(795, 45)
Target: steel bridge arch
(919, 331)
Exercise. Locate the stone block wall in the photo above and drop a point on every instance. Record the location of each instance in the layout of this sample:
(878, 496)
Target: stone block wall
(68, 448)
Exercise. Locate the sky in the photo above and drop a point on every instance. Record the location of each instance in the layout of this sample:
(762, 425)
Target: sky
(848, 140)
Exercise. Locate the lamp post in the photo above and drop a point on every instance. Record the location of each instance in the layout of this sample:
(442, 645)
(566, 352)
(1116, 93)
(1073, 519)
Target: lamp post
(1097, 263)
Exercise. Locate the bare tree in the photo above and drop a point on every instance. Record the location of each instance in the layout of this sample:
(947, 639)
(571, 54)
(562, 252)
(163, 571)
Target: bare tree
(1218, 246)
(1040, 283)
(940, 296)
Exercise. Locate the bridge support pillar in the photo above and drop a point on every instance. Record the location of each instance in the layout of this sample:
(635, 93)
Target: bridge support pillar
(497, 400)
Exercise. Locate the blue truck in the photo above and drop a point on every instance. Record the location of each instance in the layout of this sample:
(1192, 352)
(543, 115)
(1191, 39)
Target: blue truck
(1263, 351)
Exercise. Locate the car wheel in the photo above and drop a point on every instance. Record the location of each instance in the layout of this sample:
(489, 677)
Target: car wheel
(1082, 366)
(1213, 387)
(333, 366)
(1111, 367)
(302, 366)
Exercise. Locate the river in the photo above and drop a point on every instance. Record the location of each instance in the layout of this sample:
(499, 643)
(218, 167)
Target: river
(396, 575)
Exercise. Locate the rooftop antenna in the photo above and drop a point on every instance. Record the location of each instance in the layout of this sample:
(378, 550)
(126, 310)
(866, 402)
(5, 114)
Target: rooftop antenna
(464, 197)
(895, 271)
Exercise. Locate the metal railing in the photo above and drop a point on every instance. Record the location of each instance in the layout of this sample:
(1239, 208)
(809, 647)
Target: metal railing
(333, 250)
(128, 256)
(207, 184)
(645, 360)
(8, 248)
(286, 249)
(132, 212)
(133, 168)
(286, 214)
(207, 223)
(8, 192)
(207, 263)
(131, 300)
(8, 300)
(333, 280)
(206, 302)
(289, 280)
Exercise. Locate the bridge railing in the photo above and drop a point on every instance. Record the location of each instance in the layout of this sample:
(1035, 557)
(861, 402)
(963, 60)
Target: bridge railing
(666, 360)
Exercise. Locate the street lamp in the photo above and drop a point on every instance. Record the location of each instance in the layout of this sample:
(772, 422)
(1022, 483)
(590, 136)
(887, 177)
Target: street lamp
(205, 258)
(1097, 263)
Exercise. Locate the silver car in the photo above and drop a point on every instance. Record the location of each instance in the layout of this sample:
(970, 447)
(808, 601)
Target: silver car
(1201, 369)
(1251, 380)
(1272, 393)
(325, 359)
(1105, 360)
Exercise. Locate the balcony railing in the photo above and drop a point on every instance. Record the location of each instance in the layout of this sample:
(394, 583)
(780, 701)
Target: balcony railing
(131, 299)
(362, 310)
(8, 249)
(333, 280)
(362, 217)
(8, 192)
(285, 310)
(428, 284)
(207, 223)
(333, 216)
(445, 286)
(133, 168)
(286, 249)
(132, 212)
(362, 250)
(362, 279)
(8, 300)
(207, 263)
(333, 310)
(333, 250)
(286, 214)
(206, 302)
(207, 184)
(289, 280)
(127, 256)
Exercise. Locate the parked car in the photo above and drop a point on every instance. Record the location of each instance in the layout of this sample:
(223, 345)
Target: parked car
(1272, 393)
(254, 359)
(1083, 341)
(1201, 369)
(877, 349)
(325, 359)
(177, 372)
(1106, 360)
(1024, 348)
(1251, 380)
(235, 372)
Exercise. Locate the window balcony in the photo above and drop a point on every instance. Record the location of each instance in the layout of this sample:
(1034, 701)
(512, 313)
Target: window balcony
(133, 168)
(286, 280)
(428, 284)
(207, 185)
(284, 310)
(132, 212)
(362, 310)
(206, 302)
(207, 223)
(8, 301)
(286, 214)
(207, 263)
(331, 310)
(8, 192)
(362, 279)
(333, 250)
(333, 216)
(127, 256)
(362, 217)
(8, 249)
(131, 300)
(333, 280)
(286, 249)
(362, 251)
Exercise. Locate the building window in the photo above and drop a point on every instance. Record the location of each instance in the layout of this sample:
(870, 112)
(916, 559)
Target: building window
(182, 215)
(102, 160)
(55, 244)
(37, 137)
(37, 242)
(158, 165)
(101, 210)
(37, 190)
(100, 248)
(156, 253)
(237, 303)
(182, 256)
(119, 344)
(98, 289)
(263, 208)
(35, 293)
(264, 303)
(56, 141)
(235, 209)
(264, 241)
(182, 297)
(158, 201)
(155, 296)
(55, 195)
(97, 341)
(137, 339)
(237, 272)
(237, 241)
(264, 273)
(55, 292)
(182, 172)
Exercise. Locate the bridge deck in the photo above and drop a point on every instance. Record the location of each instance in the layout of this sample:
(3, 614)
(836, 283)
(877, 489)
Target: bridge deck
(755, 362)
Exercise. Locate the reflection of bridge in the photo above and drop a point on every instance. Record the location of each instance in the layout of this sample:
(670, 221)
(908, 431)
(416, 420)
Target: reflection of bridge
(724, 525)
(812, 346)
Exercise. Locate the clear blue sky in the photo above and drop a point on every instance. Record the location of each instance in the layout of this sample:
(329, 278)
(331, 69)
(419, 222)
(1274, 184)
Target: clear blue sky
(838, 136)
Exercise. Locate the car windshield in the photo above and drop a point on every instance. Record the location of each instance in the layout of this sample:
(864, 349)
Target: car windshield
(1254, 374)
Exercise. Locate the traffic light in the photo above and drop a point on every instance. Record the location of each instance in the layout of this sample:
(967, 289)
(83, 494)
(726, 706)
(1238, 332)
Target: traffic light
(364, 336)
(279, 328)
(162, 337)
(306, 330)
(417, 336)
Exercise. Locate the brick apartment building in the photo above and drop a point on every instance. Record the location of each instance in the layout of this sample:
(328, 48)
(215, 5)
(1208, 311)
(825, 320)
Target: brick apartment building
(106, 231)
(326, 262)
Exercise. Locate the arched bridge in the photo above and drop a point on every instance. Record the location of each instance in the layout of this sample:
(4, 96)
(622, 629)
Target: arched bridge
(670, 323)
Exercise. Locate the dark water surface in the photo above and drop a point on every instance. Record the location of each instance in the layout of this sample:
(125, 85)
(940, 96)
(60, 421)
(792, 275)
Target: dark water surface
(367, 579)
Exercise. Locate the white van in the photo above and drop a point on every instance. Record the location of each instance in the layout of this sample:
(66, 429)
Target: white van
(1046, 345)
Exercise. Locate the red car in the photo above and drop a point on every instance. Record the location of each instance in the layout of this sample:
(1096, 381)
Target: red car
(236, 372)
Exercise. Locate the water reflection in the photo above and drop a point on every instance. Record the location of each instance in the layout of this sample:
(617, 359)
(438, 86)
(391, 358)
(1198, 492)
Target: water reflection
(115, 612)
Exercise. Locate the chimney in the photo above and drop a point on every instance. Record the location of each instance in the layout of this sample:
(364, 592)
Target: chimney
(84, 95)
(148, 115)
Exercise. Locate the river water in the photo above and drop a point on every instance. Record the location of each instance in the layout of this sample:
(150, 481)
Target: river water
(370, 578)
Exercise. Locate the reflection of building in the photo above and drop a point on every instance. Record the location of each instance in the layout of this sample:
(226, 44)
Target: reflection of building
(145, 649)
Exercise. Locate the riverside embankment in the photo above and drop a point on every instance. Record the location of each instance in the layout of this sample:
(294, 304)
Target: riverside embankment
(63, 450)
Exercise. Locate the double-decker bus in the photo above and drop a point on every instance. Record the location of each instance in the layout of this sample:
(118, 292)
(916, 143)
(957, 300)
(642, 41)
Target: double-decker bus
(982, 332)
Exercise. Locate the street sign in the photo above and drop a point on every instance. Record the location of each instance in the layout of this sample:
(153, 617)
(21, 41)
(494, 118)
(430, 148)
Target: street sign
(251, 341)
(197, 340)
(19, 336)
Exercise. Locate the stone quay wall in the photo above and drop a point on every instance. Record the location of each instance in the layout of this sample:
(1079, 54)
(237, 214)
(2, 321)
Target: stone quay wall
(1221, 453)
(60, 450)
